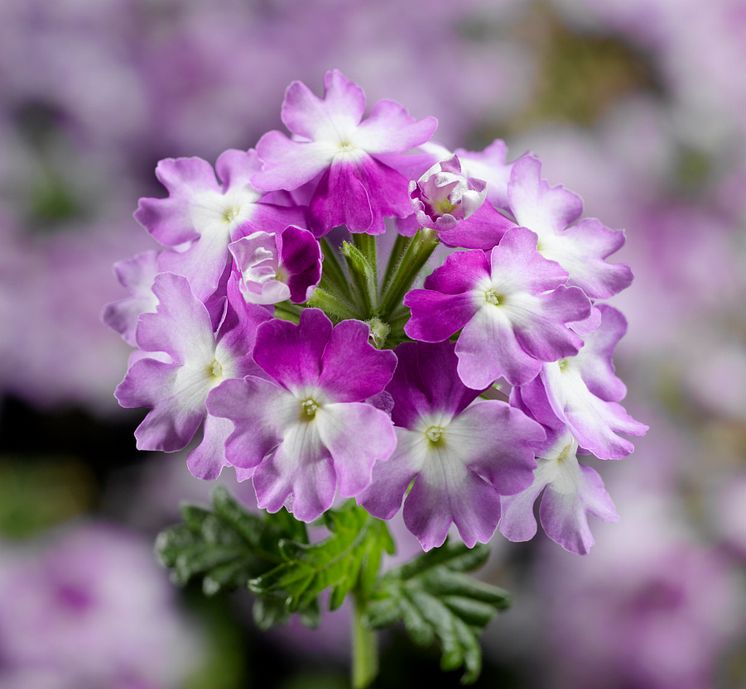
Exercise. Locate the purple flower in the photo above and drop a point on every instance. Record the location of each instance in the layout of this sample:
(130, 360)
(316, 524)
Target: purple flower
(581, 248)
(452, 202)
(136, 275)
(583, 392)
(461, 454)
(511, 305)
(490, 165)
(203, 213)
(90, 608)
(347, 159)
(307, 431)
(570, 493)
(270, 268)
(182, 359)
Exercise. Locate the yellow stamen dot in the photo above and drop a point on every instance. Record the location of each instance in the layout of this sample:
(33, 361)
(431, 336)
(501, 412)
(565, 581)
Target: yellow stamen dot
(492, 297)
(435, 435)
(563, 364)
(443, 206)
(230, 214)
(308, 407)
(215, 369)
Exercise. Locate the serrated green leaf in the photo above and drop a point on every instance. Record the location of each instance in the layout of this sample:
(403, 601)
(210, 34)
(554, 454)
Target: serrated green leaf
(436, 600)
(348, 559)
(225, 546)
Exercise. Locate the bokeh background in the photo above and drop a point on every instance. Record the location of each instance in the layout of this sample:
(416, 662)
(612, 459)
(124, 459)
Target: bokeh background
(638, 105)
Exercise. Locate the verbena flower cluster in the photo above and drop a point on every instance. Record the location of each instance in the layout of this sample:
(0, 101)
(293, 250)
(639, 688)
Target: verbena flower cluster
(264, 325)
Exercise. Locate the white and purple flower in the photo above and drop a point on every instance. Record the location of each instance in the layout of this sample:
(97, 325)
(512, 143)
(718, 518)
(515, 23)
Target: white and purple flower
(306, 430)
(511, 307)
(202, 214)
(583, 392)
(346, 159)
(581, 247)
(461, 453)
(182, 358)
(569, 491)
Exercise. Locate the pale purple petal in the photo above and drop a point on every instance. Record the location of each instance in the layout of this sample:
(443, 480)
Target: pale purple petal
(389, 128)
(290, 164)
(487, 349)
(207, 460)
(299, 475)
(181, 326)
(169, 220)
(435, 316)
(491, 166)
(136, 275)
(566, 505)
(499, 441)
(391, 478)
(358, 436)
(259, 411)
(535, 204)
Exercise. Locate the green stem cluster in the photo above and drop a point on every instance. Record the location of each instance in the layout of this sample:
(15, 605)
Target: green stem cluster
(350, 286)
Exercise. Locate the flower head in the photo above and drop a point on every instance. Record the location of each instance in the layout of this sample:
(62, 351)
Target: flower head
(461, 454)
(346, 159)
(307, 431)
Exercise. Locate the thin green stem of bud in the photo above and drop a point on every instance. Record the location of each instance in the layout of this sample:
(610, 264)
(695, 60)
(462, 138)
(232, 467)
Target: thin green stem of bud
(363, 276)
(414, 258)
(397, 251)
(335, 307)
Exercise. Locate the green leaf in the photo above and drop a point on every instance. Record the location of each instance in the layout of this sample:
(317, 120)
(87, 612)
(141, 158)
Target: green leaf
(226, 546)
(436, 600)
(348, 559)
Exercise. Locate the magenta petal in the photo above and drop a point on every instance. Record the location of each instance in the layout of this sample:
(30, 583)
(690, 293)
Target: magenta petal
(292, 354)
(426, 516)
(482, 230)
(435, 316)
(460, 272)
(352, 368)
(359, 194)
(426, 381)
(358, 436)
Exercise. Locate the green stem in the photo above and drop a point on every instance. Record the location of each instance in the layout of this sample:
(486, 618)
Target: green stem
(397, 251)
(331, 304)
(333, 273)
(287, 311)
(415, 256)
(366, 243)
(364, 650)
(363, 276)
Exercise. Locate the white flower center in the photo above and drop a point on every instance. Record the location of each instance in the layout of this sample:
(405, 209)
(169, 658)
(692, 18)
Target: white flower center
(308, 409)
(435, 435)
(491, 296)
(215, 369)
